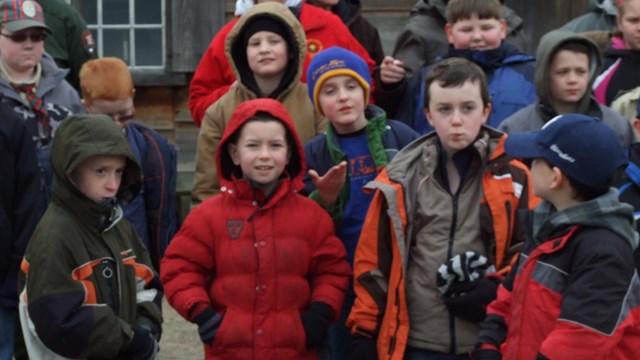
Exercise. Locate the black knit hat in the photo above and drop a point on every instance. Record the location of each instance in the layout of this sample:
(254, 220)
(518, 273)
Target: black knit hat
(264, 23)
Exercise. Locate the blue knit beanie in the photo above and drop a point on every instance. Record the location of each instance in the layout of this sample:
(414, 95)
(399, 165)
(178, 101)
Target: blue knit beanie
(332, 62)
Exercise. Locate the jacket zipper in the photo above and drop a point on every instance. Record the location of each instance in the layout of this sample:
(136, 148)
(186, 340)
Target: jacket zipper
(452, 233)
(392, 341)
(507, 205)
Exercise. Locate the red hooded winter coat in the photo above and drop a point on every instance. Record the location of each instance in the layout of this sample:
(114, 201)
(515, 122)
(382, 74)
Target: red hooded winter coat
(258, 264)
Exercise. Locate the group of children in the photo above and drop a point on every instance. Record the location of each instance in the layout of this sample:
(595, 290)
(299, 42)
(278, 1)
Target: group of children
(442, 246)
(66, 199)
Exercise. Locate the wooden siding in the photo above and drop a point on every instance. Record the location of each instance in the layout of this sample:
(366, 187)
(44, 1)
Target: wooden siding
(192, 28)
(542, 16)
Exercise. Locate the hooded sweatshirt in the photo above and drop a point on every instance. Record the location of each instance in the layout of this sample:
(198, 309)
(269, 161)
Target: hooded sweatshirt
(575, 284)
(291, 93)
(86, 275)
(259, 260)
(534, 116)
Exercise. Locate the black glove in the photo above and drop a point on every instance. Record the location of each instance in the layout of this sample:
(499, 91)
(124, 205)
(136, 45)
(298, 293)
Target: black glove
(486, 354)
(208, 324)
(143, 345)
(363, 348)
(315, 322)
(468, 301)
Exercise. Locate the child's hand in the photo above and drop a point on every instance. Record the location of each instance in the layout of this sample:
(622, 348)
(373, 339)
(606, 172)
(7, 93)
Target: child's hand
(391, 71)
(143, 345)
(330, 184)
(315, 322)
(208, 324)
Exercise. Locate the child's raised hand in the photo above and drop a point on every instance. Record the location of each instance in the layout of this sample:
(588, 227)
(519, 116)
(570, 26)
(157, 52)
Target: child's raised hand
(330, 184)
(391, 71)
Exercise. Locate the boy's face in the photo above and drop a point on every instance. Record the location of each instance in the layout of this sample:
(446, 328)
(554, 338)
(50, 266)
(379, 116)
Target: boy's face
(476, 34)
(121, 111)
(261, 152)
(22, 53)
(457, 114)
(99, 177)
(629, 24)
(342, 101)
(568, 77)
(267, 54)
(541, 177)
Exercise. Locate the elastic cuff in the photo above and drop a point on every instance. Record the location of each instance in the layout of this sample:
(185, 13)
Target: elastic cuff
(196, 309)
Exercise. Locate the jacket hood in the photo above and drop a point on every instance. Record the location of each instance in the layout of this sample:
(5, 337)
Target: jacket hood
(606, 6)
(227, 170)
(605, 211)
(78, 138)
(236, 51)
(547, 46)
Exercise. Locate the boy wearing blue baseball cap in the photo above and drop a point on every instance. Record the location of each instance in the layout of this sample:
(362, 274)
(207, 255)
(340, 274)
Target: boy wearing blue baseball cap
(356, 145)
(575, 282)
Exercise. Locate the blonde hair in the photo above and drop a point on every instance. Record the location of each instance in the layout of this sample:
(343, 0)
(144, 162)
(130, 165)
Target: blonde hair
(105, 79)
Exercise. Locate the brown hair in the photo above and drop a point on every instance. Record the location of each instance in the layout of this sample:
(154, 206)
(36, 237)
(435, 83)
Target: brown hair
(105, 79)
(454, 72)
(463, 9)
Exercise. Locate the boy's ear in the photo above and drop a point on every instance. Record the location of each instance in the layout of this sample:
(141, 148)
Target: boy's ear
(503, 29)
(233, 153)
(427, 114)
(558, 178)
(449, 31)
(486, 112)
(635, 123)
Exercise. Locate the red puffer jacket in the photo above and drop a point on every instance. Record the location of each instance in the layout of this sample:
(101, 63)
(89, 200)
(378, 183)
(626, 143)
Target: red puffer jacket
(257, 261)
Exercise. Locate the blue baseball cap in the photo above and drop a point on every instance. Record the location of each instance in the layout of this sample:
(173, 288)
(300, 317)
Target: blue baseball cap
(582, 147)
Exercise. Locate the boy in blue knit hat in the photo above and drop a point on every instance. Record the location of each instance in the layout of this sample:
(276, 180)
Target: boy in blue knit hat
(579, 261)
(357, 144)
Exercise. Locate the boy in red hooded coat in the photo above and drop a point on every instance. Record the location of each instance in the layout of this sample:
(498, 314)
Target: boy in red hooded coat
(258, 267)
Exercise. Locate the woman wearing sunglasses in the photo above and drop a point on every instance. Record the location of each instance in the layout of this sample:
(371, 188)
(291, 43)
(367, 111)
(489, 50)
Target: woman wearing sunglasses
(34, 87)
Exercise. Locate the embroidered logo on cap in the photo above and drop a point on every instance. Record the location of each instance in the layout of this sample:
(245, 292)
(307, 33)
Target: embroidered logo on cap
(29, 8)
(561, 154)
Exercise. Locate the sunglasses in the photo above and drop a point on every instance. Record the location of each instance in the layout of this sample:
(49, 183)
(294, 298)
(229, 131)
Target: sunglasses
(22, 37)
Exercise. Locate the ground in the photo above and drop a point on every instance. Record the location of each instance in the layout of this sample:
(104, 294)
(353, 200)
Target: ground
(180, 339)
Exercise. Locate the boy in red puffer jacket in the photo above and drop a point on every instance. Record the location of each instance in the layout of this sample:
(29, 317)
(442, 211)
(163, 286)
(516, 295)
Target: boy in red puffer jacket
(258, 266)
